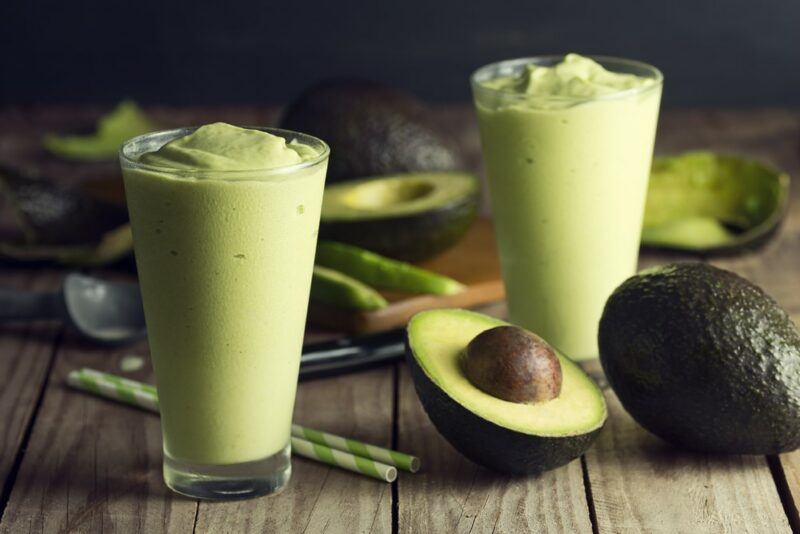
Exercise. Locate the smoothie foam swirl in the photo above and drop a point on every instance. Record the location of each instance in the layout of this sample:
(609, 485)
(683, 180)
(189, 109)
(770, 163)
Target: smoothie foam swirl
(575, 76)
(221, 146)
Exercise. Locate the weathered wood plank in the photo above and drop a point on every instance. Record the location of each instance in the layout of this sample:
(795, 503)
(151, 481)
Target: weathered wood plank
(319, 498)
(93, 465)
(640, 484)
(790, 463)
(451, 494)
(26, 352)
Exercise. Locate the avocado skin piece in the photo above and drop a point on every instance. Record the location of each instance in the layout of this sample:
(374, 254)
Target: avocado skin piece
(412, 237)
(747, 199)
(371, 128)
(523, 454)
(704, 359)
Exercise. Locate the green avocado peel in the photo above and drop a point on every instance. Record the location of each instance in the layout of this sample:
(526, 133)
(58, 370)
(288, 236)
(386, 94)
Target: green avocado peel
(704, 202)
(125, 121)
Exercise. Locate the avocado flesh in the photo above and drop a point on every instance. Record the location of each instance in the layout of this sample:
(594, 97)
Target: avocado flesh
(505, 436)
(705, 202)
(124, 122)
(408, 217)
(336, 289)
(704, 359)
(382, 272)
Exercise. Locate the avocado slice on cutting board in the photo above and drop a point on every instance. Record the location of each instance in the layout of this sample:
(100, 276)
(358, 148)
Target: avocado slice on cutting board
(334, 288)
(408, 217)
(507, 436)
(372, 129)
(704, 359)
(712, 203)
(382, 272)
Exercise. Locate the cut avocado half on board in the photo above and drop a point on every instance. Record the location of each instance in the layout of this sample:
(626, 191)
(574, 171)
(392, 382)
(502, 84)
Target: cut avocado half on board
(706, 203)
(124, 122)
(382, 272)
(409, 217)
(336, 289)
(509, 437)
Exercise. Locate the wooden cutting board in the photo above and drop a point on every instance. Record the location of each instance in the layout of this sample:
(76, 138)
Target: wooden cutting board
(473, 262)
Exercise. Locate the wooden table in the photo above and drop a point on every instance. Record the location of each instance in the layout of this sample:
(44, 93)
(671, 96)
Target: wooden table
(70, 462)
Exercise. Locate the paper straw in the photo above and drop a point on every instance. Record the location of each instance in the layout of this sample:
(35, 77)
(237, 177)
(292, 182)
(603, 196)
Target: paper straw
(145, 396)
(345, 460)
(400, 460)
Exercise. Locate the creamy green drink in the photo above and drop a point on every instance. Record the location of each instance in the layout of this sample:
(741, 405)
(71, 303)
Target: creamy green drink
(225, 224)
(567, 144)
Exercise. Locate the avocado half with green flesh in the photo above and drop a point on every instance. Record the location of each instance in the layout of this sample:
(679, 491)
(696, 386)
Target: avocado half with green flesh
(704, 359)
(509, 437)
(710, 203)
(372, 129)
(408, 217)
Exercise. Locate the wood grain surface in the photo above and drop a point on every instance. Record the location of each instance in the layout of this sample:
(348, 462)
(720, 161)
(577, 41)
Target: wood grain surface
(73, 463)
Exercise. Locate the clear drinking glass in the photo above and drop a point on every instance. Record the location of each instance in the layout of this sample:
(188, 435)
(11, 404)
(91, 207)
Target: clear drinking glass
(567, 178)
(225, 261)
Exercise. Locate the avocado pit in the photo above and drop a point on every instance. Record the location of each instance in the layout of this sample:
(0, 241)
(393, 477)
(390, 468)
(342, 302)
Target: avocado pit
(514, 365)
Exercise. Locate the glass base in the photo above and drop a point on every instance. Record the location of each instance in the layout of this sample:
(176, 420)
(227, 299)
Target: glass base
(234, 481)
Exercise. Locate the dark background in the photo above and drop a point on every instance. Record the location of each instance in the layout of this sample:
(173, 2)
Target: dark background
(735, 53)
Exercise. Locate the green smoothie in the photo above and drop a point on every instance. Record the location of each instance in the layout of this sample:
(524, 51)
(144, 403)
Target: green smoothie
(567, 145)
(225, 224)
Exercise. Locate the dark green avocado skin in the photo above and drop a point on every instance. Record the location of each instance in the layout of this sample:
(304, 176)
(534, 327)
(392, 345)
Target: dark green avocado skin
(412, 237)
(372, 129)
(704, 359)
(488, 444)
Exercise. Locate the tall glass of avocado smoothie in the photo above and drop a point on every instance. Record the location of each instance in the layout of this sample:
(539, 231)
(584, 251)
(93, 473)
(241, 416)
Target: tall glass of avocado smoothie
(567, 144)
(225, 223)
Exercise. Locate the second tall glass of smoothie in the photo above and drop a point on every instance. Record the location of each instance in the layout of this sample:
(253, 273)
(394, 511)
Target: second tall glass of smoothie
(567, 144)
(225, 223)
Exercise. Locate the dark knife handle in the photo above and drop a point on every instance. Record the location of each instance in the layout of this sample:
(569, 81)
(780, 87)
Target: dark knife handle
(18, 305)
(352, 354)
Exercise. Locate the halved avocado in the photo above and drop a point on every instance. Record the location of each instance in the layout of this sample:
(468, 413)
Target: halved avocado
(408, 217)
(708, 203)
(509, 437)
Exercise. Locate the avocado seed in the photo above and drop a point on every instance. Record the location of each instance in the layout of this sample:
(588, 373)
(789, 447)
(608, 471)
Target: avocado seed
(513, 364)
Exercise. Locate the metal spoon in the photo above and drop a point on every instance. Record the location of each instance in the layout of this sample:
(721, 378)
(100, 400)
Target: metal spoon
(109, 313)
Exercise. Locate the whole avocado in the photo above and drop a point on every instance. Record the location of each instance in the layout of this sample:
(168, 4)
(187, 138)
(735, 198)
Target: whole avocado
(372, 129)
(704, 359)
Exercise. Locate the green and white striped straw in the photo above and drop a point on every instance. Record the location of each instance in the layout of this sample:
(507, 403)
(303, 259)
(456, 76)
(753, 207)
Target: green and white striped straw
(403, 461)
(145, 396)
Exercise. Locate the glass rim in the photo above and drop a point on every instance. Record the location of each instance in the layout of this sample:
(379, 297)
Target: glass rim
(606, 61)
(176, 133)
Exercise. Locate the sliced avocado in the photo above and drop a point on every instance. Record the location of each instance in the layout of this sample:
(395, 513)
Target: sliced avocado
(408, 217)
(339, 290)
(125, 121)
(509, 437)
(382, 272)
(704, 359)
(372, 129)
(705, 202)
